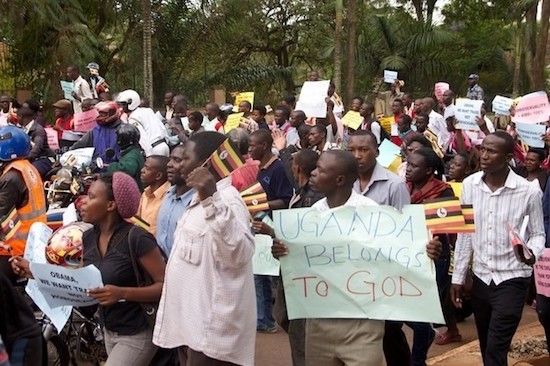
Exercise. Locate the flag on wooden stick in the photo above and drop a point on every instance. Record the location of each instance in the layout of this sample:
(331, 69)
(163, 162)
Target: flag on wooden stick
(443, 212)
(255, 198)
(10, 224)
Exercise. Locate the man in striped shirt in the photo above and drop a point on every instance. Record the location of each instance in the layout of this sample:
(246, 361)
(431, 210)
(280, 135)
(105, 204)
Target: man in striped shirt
(500, 199)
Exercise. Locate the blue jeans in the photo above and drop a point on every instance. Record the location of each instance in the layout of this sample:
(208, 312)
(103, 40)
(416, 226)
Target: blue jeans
(264, 302)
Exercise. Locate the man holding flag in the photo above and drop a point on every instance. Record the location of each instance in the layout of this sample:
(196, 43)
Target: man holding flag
(22, 200)
(207, 308)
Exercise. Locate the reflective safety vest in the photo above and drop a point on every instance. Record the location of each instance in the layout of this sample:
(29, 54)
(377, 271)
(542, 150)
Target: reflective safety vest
(33, 211)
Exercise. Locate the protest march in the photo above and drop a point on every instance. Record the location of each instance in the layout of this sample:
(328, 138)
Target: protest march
(362, 225)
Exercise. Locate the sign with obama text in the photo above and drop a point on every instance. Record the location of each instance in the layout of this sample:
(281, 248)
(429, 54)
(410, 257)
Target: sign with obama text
(358, 262)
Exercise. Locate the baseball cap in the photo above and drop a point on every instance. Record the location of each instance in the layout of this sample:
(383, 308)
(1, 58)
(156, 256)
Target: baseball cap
(473, 76)
(63, 103)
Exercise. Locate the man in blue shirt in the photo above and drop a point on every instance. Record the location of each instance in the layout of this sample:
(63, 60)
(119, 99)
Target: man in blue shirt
(175, 202)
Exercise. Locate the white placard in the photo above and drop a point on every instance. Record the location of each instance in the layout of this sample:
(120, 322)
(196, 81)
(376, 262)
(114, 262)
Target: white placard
(531, 134)
(390, 76)
(501, 105)
(312, 98)
(65, 286)
(263, 262)
(466, 111)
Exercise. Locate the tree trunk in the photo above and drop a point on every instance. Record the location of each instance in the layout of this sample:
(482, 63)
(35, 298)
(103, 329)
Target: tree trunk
(147, 52)
(350, 67)
(530, 43)
(540, 51)
(517, 59)
(338, 46)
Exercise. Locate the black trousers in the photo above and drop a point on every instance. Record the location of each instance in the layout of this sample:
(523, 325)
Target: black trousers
(543, 311)
(497, 311)
(396, 347)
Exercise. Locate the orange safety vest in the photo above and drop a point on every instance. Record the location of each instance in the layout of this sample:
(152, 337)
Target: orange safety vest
(33, 211)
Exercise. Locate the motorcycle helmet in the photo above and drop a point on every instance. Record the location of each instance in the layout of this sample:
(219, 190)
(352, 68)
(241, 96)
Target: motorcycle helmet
(14, 143)
(108, 113)
(126, 136)
(130, 98)
(65, 245)
(93, 68)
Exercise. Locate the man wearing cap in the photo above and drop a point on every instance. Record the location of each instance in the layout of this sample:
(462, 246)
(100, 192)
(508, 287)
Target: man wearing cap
(81, 88)
(97, 82)
(475, 92)
(64, 124)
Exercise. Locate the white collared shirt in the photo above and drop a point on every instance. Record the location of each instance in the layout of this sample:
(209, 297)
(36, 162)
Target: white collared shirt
(494, 258)
(438, 125)
(83, 91)
(355, 199)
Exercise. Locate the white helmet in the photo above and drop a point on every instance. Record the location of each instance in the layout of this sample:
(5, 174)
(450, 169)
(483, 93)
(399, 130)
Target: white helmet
(130, 97)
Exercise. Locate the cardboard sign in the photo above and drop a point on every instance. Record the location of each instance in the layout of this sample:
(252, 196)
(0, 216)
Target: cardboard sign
(312, 98)
(531, 133)
(53, 138)
(532, 108)
(501, 105)
(241, 97)
(390, 76)
(64, 286)
(233, 121)
(352, 119)
(388, 152)
(263, 262)
(85, 121)
(542, 273)
(466, 112)
(439, 89)
(67, 88)
(358, 262)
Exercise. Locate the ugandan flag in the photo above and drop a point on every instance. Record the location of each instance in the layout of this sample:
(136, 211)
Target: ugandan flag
(225, 159)
(10, 224)
(468, 227)
(255, 198)
(138, 221)
(443, 212)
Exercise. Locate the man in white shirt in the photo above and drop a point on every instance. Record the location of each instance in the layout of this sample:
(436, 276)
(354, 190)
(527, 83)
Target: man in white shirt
(81, 88)
(331, 341)
(436, 122)
(5, 105)
(208, 306)
(500, 199)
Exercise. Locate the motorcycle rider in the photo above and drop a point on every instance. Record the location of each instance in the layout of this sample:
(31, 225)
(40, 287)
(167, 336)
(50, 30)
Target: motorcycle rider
(131, 155)
(153, 134)
(103, 135)
(22, 190)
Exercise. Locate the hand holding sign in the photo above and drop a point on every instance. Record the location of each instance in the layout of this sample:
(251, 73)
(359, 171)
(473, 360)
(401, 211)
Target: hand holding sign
(466, 112)
(107, 295)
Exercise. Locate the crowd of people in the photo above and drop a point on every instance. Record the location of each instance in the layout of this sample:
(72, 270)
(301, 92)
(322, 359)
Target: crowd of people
(198, 248)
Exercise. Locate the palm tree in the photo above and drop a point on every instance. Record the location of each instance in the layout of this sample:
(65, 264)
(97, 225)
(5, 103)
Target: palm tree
(338, 45)
(147, 51)
(351, 44)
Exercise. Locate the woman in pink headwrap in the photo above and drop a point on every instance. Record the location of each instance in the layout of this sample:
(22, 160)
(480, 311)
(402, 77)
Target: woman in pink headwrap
(110, 245)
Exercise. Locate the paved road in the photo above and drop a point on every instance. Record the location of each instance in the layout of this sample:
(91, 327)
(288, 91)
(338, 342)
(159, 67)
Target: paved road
(273, 349)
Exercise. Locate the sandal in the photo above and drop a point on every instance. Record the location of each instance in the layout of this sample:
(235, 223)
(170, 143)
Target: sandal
(442, 340)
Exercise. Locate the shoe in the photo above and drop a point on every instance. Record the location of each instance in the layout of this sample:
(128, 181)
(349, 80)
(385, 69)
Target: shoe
(267, 330)
(442, 340)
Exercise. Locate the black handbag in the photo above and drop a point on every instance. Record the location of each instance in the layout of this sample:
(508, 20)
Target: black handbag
(143, 279)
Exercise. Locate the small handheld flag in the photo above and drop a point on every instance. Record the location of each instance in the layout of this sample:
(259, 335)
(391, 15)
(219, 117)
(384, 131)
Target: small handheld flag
(468, 227)
(225, 160)
(10, 224)
(443, 213)
(255, 198)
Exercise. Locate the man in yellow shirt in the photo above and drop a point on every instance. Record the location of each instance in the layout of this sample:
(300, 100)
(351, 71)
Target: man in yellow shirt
(154, 178)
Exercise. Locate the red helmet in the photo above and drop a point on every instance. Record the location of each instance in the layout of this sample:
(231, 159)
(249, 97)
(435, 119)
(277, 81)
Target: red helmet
(65, 245)
(108, 113)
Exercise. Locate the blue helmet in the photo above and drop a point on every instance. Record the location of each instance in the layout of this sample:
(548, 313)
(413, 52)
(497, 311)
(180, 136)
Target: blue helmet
(14, 143)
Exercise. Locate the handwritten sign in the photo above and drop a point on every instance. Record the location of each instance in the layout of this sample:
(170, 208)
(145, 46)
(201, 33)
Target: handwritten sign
(542, 273)
(439, 89)
(53, 138)
(386, 122)
(312, 98)
(233, 121)
(531, 134)
(358, 262)
(501, 105)
(64, 286)
(67, 88)
(466, 111)
(532, 108)
(35, 251)
(388, 152)
(263, 262)
(85, 121)
(242, 97)
(390, 76)
(352, 119)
